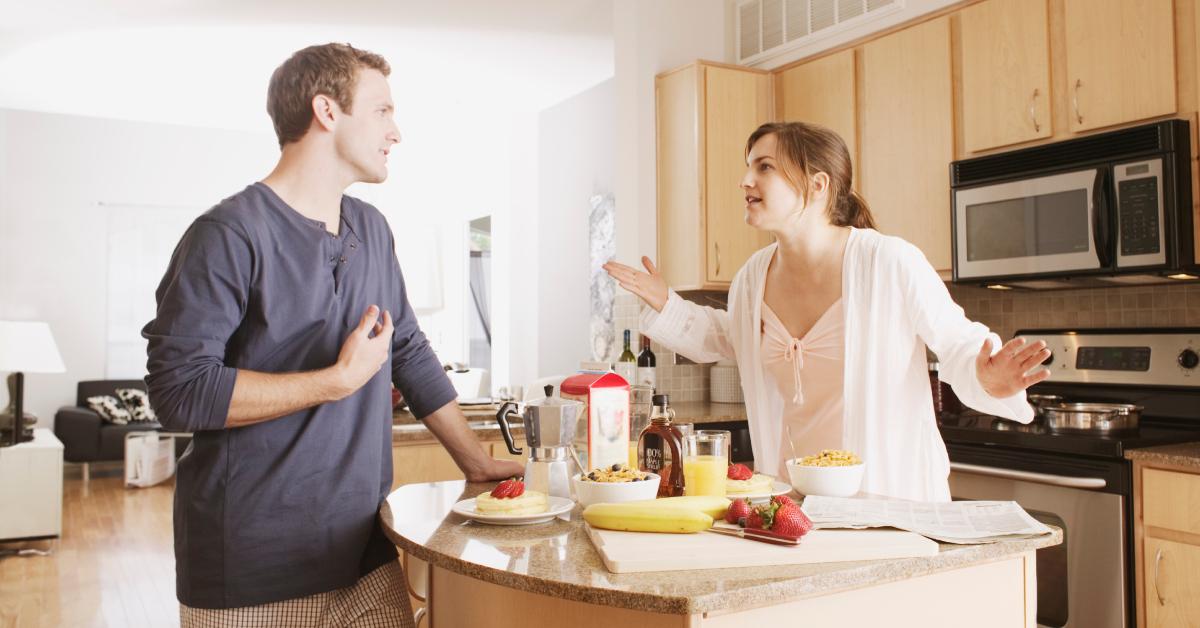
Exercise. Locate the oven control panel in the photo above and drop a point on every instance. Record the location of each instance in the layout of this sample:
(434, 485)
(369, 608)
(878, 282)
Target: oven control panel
(1154, 358)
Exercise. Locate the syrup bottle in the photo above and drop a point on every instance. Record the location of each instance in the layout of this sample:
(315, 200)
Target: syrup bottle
(660, 449)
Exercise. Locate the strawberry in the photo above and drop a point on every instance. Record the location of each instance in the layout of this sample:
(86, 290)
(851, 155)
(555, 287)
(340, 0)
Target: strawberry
(508, 488)
(739, 471)
(738, 511)
(782, 500)
(755, 519)
(791, 521)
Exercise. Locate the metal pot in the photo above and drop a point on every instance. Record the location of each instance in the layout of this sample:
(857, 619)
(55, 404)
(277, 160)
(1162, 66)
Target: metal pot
(1098, 418)
(1039, 403)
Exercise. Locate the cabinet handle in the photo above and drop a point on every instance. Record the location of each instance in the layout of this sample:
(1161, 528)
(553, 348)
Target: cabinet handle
(717, 247)
(1037, 128)
(1162, 601)
(1075, 100)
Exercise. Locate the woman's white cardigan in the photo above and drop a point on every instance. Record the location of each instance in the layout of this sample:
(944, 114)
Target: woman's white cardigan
(894, 304)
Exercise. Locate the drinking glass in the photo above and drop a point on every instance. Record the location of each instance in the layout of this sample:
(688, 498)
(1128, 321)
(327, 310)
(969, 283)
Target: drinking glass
(705, 462)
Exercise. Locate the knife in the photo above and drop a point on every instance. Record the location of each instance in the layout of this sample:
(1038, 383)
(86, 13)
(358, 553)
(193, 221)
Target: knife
(765, 536)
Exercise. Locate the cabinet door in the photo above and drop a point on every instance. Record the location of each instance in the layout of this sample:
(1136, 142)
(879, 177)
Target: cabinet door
(735, 103)
(1120, 61)
(1005, 73)
(422, 463)
(680, 224)
(907, 136)
(1172, 589)
(822, 92)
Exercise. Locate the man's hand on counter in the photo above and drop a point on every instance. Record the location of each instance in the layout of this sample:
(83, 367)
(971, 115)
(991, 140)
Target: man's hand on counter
(449, 425)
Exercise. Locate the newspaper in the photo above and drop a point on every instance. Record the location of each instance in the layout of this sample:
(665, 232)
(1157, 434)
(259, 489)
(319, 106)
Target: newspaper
(960, 522)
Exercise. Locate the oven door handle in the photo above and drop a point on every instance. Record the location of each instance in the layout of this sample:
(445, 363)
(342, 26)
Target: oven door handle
(1029, 476)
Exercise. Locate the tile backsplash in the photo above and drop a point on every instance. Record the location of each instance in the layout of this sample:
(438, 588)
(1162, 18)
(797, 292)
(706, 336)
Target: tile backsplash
(683, 382)
(1005, 312)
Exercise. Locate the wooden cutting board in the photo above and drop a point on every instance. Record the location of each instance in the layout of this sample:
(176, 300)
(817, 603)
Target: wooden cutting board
(631, 552)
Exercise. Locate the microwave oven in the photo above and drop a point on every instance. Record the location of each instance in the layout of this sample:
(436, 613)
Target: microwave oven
(1108, 209)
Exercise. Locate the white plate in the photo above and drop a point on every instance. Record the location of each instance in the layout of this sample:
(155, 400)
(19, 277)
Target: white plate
(555, 506)
(777, 488)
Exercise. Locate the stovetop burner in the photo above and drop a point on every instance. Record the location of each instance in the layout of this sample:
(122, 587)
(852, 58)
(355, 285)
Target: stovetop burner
(974, 427)
(1144, 367)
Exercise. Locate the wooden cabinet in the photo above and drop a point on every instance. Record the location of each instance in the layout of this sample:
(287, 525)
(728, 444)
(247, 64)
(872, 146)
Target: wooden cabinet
(907, 135)
(822, 92)
(1120, 61)
(422, 462)
(1167, 545)
(1005, 68)
(426, 461)
(705, 112)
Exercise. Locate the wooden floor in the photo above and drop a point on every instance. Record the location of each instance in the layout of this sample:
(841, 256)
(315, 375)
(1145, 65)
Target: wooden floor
(114, 565)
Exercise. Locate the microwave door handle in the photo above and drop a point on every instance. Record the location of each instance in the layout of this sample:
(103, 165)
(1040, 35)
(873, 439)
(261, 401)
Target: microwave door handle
(1100, 218)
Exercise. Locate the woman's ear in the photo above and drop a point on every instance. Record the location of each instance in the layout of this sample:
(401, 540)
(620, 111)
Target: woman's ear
(820, 183)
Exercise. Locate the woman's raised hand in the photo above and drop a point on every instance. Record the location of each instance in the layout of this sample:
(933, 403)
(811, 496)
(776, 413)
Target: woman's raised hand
(650, 285)
(1004, 374)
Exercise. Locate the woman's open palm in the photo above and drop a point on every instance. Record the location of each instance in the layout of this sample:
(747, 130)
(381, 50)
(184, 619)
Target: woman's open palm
(1005, 374)
(650, 285)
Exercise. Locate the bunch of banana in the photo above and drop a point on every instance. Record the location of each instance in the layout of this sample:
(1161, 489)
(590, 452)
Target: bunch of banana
(672, 514)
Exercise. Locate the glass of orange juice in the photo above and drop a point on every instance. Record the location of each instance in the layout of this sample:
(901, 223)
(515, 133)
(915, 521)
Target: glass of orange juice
(705, 462)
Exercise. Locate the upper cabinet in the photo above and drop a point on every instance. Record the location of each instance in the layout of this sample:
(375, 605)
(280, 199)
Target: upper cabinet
(820, 91)
(705, 113)
(907, 135)
(1120, 57)
(1005, 73)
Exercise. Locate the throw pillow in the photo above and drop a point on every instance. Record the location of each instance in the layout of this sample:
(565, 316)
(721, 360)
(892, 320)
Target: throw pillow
(109, 408)
(138, 404)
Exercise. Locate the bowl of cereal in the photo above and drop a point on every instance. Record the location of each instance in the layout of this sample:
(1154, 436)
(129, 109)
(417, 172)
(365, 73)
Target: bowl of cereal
(618, 483)
(831, 473)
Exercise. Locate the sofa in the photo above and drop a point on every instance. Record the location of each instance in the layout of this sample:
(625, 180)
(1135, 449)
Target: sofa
(87, 438)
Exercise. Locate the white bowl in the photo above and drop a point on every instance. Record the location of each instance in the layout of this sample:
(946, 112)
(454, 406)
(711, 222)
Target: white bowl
(842, 481)
(588, 493)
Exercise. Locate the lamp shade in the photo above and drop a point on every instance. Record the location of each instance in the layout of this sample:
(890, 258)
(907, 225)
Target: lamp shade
(28, 346)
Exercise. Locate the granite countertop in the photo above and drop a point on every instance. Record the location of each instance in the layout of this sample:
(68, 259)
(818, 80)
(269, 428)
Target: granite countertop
(1183, 455)
(482, 419)
(557, 559)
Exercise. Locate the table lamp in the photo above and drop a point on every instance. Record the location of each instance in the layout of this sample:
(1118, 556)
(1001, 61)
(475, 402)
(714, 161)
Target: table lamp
(25, 347)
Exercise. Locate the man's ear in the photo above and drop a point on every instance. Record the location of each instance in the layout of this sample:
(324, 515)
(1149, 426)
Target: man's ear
(325, 111)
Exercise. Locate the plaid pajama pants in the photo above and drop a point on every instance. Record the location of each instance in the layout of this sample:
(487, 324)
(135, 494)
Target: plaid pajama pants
(378, 600)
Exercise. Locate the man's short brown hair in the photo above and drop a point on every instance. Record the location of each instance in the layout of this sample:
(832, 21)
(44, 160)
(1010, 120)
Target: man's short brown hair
(330, 69)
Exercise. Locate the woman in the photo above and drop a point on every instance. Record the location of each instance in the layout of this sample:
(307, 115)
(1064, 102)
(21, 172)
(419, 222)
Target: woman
(829, 326)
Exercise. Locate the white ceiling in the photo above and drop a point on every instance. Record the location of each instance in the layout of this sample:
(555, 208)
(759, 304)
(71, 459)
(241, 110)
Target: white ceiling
(206, 63)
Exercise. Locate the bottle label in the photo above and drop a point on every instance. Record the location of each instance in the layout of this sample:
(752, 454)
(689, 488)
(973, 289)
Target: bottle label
(654, 459)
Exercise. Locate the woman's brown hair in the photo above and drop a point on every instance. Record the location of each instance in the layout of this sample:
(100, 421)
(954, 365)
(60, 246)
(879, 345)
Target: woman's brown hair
(806, 149)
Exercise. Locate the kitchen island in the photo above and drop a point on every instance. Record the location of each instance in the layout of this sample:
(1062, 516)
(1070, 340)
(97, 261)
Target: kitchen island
(550, 574)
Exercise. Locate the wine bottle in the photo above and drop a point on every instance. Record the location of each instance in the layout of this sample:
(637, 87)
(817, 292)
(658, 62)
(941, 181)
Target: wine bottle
(627, 363)
(647, 374)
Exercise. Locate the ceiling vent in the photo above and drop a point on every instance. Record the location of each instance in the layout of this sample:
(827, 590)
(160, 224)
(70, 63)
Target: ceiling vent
(767, 28)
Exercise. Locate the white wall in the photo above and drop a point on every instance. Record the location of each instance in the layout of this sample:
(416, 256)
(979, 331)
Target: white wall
(575, 161)
(59, 172)
(515, 241)
(55, 171)
(649, 38)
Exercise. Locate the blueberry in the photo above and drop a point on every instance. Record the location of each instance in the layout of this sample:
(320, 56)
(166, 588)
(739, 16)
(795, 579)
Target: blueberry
(616, 466)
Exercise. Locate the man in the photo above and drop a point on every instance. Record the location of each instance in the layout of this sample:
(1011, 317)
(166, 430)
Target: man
(278, 310)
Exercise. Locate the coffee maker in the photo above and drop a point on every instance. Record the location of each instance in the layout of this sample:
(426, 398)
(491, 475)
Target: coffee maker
(550, 425)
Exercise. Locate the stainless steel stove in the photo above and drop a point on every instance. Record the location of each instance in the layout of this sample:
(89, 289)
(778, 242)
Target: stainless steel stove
(1080, 480)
